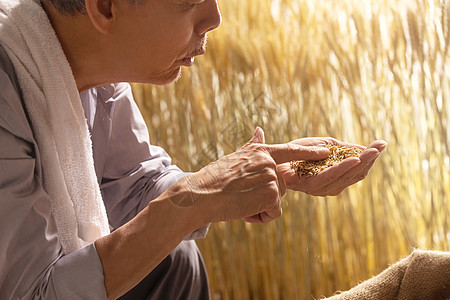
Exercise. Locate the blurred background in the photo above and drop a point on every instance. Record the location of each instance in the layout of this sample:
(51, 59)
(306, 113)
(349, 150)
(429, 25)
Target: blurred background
(356, 70)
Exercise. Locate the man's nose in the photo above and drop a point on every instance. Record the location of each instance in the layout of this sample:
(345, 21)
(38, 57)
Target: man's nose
(209, 17)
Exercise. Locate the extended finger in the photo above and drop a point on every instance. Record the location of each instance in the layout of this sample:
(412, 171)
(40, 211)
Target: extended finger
(348, 168)
(336, 188)
(282, 153)
(380, 145)
(351, 177)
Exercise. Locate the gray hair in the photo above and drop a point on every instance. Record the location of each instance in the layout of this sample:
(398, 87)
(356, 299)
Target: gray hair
(72, 7)
(69, 7)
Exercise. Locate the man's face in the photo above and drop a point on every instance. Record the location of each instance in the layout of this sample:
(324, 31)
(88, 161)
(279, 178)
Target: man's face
(157, 38)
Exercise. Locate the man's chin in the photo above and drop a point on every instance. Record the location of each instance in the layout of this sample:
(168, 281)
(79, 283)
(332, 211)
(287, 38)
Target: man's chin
(168, 78)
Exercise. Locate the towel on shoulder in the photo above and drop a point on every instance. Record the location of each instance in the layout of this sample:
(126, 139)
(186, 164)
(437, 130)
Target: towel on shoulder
(57, 119)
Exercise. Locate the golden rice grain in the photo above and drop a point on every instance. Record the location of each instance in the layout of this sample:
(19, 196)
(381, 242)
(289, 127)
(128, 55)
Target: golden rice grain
(313, 167)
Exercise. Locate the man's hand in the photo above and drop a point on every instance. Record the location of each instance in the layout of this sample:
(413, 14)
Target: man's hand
(249, 183)
(334, 180)
(246, 183)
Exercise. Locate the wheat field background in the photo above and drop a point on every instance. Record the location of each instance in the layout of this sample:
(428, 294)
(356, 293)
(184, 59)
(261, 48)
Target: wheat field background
(356, 70)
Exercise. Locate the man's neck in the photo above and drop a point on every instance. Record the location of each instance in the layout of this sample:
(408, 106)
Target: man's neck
(83, 47)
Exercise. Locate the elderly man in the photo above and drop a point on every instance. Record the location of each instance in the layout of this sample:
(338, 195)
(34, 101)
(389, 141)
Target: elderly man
(91, 210)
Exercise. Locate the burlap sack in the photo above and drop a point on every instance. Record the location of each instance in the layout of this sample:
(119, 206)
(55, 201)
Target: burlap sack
(422, 275)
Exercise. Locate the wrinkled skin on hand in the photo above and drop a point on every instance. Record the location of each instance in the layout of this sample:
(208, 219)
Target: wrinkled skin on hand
(332, 181)
(249, 183)
(246, 183)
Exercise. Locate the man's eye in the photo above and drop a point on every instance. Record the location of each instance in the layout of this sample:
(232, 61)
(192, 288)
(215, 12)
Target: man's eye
(188, 5)
(191, 4)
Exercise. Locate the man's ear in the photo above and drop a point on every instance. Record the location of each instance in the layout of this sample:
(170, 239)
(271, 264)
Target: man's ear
(101, 14)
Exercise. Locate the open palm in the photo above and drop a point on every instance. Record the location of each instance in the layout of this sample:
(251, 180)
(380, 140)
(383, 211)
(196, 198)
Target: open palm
(334, 180)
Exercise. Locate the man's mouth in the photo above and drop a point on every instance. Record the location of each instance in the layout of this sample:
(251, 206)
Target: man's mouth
(188, 60)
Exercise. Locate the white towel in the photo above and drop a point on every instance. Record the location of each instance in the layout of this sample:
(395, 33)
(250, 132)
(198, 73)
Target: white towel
(56, 113)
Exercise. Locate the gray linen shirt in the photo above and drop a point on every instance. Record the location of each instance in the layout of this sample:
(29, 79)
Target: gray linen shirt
(131, 172)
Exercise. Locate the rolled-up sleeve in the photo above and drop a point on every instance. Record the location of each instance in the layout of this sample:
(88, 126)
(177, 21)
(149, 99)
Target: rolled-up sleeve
(32, 265)
(75, 276)
(84, 270)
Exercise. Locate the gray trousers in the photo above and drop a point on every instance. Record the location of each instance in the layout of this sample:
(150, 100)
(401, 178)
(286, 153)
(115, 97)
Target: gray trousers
(181, 275)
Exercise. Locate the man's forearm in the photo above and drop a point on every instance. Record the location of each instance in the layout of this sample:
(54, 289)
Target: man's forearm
(240, 185)
(132, 251)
